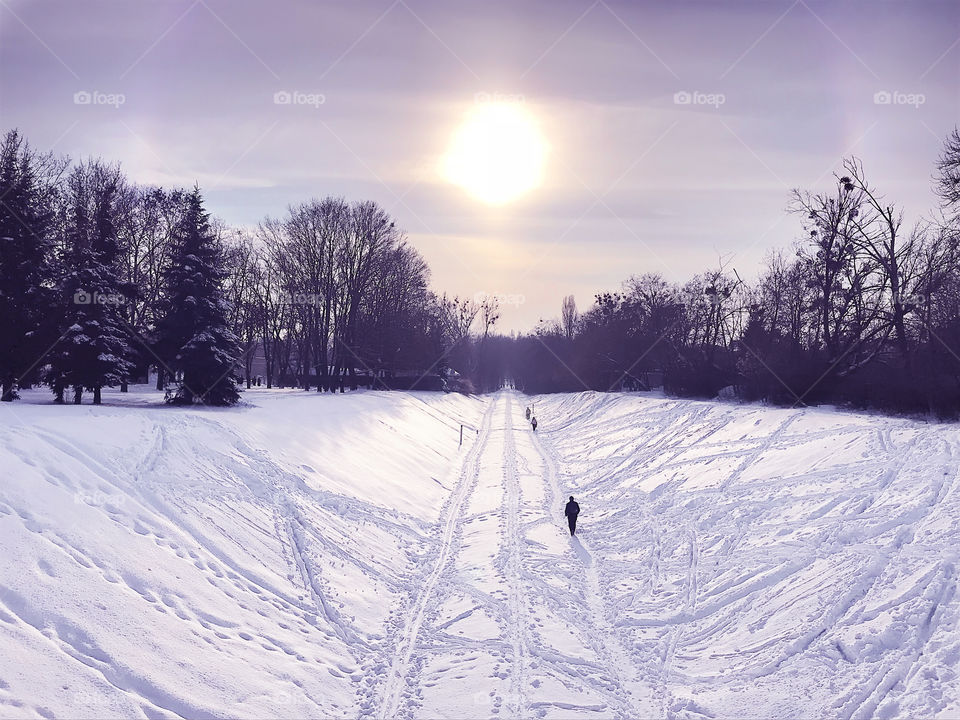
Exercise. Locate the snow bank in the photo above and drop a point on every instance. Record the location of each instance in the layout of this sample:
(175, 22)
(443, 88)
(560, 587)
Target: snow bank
(771, 562)
(160, 562)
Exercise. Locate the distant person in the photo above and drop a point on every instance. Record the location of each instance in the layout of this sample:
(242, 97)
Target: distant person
(534, 423)
(528, 413)
(571, 511)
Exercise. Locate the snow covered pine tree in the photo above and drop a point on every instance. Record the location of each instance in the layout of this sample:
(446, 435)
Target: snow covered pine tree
(26, 294)
(193, 337)
(94, 348)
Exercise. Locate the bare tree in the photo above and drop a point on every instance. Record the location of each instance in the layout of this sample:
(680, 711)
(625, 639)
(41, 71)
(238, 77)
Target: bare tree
(241, 292)
(845, 292)
(896, 256)
(569, 317)
(948, 172)
(458, 316)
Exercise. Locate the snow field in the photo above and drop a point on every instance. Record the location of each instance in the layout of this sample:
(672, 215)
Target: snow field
(770, 562)
(247, 563)
(342, 556)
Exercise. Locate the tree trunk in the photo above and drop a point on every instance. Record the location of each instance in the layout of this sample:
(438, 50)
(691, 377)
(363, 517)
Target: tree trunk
(306, 366)
(7, 395)
(160, 377)
(77, 394)
(249, 357)
(903, 342)
(96, 395)
(323, 362)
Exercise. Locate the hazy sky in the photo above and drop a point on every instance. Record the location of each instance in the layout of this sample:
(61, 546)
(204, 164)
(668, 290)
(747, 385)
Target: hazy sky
(636, 179)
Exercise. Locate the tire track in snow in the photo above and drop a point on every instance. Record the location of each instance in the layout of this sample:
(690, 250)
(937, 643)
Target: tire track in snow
(452, 522)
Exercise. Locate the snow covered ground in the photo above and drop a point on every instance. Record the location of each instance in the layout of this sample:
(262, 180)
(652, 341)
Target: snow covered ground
(319, 556)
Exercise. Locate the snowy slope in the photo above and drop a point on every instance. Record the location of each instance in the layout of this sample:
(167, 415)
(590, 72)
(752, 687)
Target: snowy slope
(161, 562)
(319, 556)
(770, 563)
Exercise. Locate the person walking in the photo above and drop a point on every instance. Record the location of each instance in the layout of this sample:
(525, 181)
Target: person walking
(571, 511)
(534, 424)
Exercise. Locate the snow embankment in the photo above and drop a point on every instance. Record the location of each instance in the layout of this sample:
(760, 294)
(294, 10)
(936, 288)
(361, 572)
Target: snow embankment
(769, 562)
(159, 562)
(321, 556)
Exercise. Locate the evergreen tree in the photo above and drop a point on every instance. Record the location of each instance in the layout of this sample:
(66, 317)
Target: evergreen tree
(94, 349)
(27, 186)
(194, 338)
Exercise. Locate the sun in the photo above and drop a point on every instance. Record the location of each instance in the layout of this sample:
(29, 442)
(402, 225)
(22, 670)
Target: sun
(498, 153)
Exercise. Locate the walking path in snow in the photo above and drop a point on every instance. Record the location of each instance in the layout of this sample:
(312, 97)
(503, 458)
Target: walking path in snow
(515, 621)
(729, 563)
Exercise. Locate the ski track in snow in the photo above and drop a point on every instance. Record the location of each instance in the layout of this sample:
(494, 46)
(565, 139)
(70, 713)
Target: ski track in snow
(513, 550)
(728, 576)
(730, 561)
(529, 593)
(389, 705)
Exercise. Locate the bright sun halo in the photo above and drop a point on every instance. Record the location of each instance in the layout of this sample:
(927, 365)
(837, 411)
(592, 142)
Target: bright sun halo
(497, 154)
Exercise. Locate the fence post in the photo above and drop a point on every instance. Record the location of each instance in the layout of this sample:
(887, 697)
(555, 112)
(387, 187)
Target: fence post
(461, 434)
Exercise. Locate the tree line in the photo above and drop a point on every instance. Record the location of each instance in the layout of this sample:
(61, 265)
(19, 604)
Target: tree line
(333, 295)
(103, 280)
(862, 310)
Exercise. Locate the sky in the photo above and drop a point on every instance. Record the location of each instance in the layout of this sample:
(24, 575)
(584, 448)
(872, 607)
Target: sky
(672, 132)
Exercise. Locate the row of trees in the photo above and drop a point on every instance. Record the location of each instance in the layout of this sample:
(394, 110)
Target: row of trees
(87, 298)
(102, 280)
(862, 310)
(332, 294)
